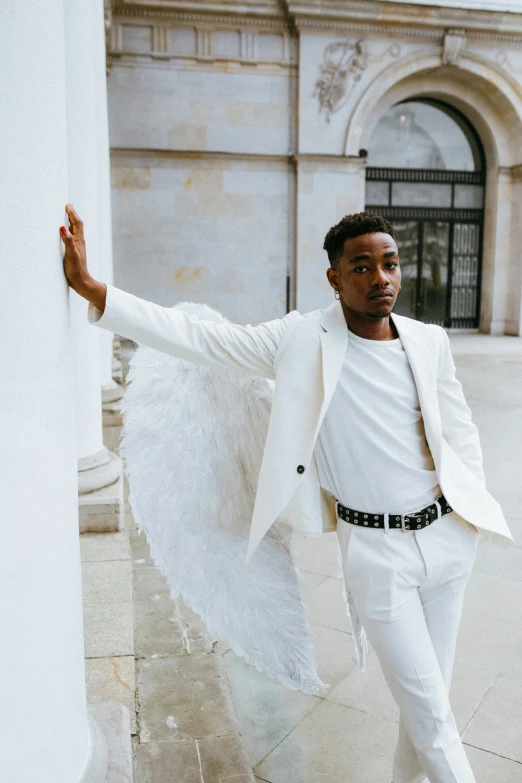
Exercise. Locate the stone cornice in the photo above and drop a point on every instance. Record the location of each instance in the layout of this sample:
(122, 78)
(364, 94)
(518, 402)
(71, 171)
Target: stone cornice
(403, 19)
(372, 18)
(267, 13)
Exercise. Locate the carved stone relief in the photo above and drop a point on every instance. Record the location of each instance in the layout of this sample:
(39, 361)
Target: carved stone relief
(343, 65)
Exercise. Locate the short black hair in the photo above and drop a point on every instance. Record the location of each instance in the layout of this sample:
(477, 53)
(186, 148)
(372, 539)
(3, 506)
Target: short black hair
(353, 226)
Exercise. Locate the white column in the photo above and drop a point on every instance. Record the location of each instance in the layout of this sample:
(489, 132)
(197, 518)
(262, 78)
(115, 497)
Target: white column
(46, 734)
(112, 392)
(98, 469)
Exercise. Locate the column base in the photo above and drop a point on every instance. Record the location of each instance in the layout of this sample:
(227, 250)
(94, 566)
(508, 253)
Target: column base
(110, 760)
(100, 492)
(101, 511)
(117, 372)
(112, 402)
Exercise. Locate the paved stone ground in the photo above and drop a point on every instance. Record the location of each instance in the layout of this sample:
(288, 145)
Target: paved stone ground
(194, 698)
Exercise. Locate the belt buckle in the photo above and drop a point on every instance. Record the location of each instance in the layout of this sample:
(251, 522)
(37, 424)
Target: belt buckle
(403, 518)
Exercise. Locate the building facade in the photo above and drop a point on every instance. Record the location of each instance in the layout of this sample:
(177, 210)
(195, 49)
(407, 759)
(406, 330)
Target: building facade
(240, 132)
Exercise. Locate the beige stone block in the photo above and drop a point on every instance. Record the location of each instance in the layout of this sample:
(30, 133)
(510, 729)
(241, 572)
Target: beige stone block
(229, 206)
(367, 691)
(488, 767)
(107, 581)
(102, 511)
(204, 113)
(333, 743)
(130, 177)
(260, 114)
(267, 711)
(327, 606)
(318, 555)
(187, 136)
(184, 696)
(203, 179)
(108, 629)
(105, 546)
(223, 760)
(112, 679)
(497, 723)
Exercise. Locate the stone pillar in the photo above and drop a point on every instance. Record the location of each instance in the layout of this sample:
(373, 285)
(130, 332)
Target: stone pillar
(497, 251)
(112, 391)
(100, 483)
(514, 282)
(47, 734)
(328, 187)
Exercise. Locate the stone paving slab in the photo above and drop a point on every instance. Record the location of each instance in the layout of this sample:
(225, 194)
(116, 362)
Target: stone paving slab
(107, 581)
(335, 654)
(112, 680)
(108, 629)
(166, 627)
(214, 760)
(490, 768)
(164, 762)
(184, 697)
(486, 731)
(333, 743)
(267, 711)
(105, 546)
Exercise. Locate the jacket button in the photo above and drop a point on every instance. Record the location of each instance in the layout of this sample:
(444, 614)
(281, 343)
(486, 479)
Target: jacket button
(300, 468)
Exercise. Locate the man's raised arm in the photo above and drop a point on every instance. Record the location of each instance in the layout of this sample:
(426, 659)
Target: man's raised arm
(248, 348)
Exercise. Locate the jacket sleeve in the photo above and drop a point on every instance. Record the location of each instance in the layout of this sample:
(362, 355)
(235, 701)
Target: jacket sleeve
(250, 349)
(458, 428)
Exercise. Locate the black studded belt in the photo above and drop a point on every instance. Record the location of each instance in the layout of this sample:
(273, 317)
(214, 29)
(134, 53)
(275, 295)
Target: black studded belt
(412, 521)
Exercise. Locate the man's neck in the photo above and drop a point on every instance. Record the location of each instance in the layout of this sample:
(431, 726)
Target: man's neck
(370, 328)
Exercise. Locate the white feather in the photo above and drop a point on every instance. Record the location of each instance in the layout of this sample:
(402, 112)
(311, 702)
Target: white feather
(192, 445)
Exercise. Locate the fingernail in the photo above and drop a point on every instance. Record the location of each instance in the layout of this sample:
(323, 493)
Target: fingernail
(63, 229)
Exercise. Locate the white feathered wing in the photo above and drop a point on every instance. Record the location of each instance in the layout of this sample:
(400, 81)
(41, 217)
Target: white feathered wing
(192, 445)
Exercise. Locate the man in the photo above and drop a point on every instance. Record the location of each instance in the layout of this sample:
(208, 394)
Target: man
(368, 428)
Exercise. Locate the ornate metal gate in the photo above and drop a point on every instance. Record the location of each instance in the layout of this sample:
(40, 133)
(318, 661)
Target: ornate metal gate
(440, 245)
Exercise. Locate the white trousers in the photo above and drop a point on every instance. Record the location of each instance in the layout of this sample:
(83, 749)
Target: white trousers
(407, 588)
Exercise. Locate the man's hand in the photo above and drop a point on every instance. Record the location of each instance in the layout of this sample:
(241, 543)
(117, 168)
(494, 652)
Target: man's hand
(75, 262)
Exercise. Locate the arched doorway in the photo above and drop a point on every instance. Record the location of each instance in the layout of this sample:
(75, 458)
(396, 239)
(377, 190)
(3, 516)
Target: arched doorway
(426, 174)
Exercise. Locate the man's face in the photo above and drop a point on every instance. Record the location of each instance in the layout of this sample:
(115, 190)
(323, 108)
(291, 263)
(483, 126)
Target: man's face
(368, 275)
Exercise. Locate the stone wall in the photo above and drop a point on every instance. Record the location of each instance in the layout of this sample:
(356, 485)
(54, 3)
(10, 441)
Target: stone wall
(236, 140)
(209, 229)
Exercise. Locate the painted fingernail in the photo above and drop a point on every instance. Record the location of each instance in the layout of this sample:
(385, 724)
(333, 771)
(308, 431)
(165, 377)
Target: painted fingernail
(63, 229)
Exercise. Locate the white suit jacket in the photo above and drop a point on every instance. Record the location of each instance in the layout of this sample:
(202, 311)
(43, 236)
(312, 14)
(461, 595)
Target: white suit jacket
(304, 354)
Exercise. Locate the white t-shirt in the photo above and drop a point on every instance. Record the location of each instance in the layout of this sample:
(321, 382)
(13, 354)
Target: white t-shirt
(371, 450)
